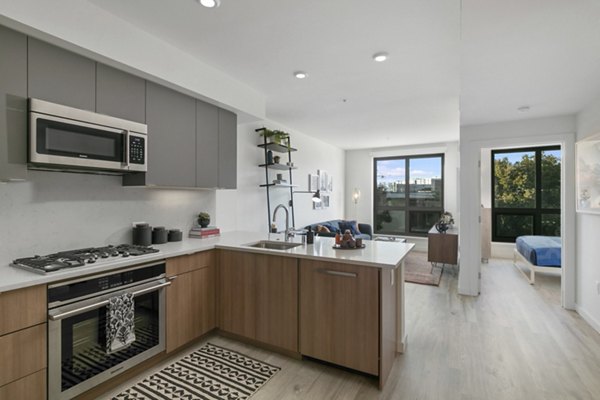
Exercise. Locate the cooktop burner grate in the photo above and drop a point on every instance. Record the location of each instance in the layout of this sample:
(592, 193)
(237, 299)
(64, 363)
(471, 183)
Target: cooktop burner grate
(79, 258)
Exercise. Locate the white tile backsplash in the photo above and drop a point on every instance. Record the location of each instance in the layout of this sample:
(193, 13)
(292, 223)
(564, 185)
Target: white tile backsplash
(59, 211)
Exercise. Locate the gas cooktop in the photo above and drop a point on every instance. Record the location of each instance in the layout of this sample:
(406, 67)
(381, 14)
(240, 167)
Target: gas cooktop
(79, 258)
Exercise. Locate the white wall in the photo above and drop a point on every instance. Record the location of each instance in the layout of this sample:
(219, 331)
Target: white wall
(55, 211)
(541, 131)
(60, 211)
(359, 174)
(588, 250)
(246, 207)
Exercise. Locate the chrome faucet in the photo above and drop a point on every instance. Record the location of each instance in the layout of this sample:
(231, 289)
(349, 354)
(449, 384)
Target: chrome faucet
(288, 231)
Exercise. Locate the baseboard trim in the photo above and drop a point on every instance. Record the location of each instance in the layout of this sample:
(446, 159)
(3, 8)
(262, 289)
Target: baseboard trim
(401, 346)
(588, 318)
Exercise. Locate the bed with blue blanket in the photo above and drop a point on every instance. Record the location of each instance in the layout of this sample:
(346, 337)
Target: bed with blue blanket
(539, 253)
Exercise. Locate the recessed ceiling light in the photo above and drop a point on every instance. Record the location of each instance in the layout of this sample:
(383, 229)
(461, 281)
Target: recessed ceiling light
(380, 57)
(523, 108)
(300, 74)
(210, 3)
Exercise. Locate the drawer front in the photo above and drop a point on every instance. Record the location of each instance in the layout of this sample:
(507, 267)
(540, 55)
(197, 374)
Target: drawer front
(187, 263)
(22, 353)
(22, 308)
(31, 387)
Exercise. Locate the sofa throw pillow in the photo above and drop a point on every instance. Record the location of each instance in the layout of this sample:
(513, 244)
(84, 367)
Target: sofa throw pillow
(322, 229)
(330, 226)
(352, 225)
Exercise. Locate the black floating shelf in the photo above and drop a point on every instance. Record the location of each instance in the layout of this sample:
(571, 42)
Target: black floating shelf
(281, 185)
(279, 148)
(282, 167)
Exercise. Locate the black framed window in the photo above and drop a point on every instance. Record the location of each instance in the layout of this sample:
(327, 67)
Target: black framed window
(408, 194)
(525, 192)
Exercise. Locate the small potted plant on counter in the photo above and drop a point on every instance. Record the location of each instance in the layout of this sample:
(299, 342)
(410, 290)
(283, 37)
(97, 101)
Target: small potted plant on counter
(203, 219)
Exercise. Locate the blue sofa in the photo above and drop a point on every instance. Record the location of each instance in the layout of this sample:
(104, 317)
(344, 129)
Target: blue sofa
(366, 231)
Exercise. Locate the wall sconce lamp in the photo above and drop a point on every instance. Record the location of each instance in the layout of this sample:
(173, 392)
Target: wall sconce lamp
(356, 195)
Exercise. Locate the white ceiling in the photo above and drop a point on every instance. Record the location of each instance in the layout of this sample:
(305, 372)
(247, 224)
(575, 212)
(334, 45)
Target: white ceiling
(411, 98)
(541, 53)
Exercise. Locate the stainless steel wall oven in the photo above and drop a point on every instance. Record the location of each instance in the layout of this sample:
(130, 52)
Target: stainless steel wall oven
(77, 357)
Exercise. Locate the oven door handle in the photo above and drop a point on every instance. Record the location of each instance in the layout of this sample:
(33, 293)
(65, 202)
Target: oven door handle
(102, 303)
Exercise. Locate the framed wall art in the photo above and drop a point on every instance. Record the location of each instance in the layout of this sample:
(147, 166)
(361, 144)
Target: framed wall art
(323, 180)
(587, 154)
(313, 182)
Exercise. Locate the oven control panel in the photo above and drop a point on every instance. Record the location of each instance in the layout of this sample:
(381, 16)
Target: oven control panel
(115, 281)
(96, 285)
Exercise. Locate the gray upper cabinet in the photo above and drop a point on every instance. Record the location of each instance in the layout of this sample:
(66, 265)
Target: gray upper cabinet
(207, 143)
(120, 94)
(13, 105)
(227, 149)
(171, 120)
(62, 77)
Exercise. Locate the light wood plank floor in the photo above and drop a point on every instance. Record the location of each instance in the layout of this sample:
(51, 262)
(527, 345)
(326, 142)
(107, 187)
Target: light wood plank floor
(512, 342)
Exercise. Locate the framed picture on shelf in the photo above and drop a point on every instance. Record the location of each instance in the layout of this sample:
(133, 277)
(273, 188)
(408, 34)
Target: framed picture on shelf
(587, 154)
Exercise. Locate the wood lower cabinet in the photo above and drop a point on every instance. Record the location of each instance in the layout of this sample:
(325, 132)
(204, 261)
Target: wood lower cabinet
(237, 293)
(258, 298)
(23, 345)
(339, 314)
(191, 300)
(22, 353)
(22, 308)
(31, 387)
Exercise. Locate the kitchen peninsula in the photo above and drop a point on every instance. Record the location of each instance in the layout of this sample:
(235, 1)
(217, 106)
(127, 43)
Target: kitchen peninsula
(344, 307)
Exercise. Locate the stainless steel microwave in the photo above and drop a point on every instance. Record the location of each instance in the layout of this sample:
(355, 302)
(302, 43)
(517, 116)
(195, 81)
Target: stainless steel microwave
(67, 138)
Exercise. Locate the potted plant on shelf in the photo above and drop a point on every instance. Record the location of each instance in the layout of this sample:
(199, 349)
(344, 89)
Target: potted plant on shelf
(203, 219)
(275, 136)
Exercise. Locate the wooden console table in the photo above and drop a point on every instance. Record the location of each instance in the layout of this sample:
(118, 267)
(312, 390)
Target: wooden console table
(442, 247)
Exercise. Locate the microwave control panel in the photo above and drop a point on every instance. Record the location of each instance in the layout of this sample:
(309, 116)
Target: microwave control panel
(136, 150)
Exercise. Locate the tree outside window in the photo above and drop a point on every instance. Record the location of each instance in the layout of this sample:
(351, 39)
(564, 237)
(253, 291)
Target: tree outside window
(526, 192)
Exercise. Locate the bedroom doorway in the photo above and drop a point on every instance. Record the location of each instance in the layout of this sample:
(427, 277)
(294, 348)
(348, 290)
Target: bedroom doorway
(522, 194)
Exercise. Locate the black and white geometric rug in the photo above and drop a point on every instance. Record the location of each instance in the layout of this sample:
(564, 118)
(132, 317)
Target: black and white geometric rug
(211, 372)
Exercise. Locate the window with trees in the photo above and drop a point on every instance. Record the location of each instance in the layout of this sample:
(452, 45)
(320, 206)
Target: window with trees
(409, 194)
(525, 192)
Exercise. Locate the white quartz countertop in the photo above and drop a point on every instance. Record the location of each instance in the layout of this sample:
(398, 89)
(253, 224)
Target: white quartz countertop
(375, 254)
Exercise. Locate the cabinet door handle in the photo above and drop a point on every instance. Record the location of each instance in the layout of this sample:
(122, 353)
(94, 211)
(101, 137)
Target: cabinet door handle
(172, 278)
(338, 273)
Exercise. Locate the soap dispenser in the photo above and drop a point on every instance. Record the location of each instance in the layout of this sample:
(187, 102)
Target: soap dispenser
(310, 236)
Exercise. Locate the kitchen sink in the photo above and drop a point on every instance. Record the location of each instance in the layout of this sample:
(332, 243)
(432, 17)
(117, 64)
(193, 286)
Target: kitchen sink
(273, 245)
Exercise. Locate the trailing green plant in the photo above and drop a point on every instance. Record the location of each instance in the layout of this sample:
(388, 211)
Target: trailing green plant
(275, 136)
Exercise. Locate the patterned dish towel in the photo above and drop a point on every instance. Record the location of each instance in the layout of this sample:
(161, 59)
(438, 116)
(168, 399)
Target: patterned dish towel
(120, 325)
